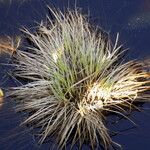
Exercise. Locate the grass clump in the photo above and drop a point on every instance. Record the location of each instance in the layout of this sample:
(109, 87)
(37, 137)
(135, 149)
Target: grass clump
(75, 75)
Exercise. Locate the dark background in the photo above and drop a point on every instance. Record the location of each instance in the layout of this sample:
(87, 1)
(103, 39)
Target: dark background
(131, 18)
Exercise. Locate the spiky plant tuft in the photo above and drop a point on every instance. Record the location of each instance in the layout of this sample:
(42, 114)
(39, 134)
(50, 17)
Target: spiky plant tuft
(75, 75)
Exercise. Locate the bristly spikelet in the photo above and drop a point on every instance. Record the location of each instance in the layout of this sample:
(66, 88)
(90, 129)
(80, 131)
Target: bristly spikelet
(75, 76)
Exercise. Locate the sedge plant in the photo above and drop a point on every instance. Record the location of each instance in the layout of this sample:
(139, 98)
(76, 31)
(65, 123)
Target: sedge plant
(75, 74)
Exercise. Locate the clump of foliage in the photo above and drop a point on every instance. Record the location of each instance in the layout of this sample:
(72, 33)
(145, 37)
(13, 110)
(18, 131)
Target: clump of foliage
(75, 76)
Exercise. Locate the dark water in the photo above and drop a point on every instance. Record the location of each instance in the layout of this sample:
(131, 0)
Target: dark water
(130, 18)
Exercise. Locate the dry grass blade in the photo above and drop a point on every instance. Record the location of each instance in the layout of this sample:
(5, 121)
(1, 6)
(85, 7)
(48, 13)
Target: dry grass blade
(9, 45)
(1, 97)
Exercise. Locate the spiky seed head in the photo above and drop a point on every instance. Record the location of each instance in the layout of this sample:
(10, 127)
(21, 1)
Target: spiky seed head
(75, 75)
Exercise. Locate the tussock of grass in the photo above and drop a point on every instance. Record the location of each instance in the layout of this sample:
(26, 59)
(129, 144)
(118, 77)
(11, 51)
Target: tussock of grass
(75, 75)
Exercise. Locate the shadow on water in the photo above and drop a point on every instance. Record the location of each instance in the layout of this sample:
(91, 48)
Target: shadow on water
(113, 16)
